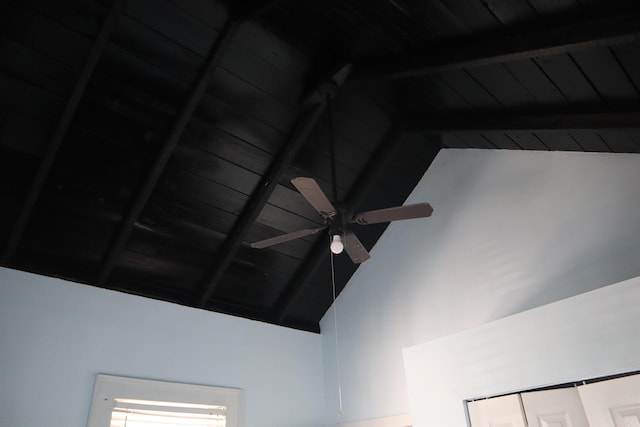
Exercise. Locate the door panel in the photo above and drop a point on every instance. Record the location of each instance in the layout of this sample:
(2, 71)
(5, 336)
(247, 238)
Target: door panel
(612, 403)
(504, 411)
(554, 408)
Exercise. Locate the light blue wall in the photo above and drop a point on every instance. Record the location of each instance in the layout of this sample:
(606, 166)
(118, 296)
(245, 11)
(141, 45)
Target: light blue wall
(55, 336)
(591, 335)
(511, 230)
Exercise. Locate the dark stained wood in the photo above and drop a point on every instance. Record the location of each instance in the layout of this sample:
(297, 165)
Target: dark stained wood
(627, 56)
(501, 140)
(559, 141)
(44, 72)
(471, 90)
(199, 87)
(501, 74)
(538, 84)
(590, 141)
(554, 11)
(571, 81)
(603, 70)
(513, 14)
(305, 126)
(60, 131)
(475, 16)
(499, 81)
(604, 32)
(527, 140)
(531, 123)
(621, 141)
(45, 35)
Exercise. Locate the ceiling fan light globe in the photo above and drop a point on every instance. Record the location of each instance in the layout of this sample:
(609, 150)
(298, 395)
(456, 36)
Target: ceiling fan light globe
(336, 244)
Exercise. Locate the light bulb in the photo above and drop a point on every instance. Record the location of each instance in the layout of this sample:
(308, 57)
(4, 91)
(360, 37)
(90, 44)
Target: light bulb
(336, 244)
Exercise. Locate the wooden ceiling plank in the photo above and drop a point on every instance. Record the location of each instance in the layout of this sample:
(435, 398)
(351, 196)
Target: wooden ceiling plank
(513, 14)
(556, 10)
(559, 141)
(178, 24)
(474, 15)
(590, 141)
(531, 123)
(501, 140)
(584, 35)
(620, 141)
(304, 127)
(180, 63)
(471, 90)
(476, 140)
(608, 76)
(24, 98)
(499, 81)
(527, 140)
(45, 35)
(531, 76)
(566, 75)
(22, 61)
(183, 118)
(61, 130)
(628, 57)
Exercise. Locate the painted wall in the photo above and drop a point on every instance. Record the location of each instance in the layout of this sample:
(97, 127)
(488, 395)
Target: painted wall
(590, 335)
(55, 336)
(511, 230)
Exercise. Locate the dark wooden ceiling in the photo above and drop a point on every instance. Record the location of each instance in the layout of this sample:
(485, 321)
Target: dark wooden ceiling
(144, 143)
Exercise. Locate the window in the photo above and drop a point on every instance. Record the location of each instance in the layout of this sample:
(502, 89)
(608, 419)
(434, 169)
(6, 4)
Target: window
(133, 402)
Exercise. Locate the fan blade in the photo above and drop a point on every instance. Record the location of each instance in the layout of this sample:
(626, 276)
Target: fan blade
(356, 251)
(311, 191)
(419, 210)
(285, 238)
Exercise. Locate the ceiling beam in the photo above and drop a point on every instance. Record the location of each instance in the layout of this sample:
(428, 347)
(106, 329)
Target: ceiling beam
(255, 8)
(198, 90)
(532, 123)
(584, 35)
(61, 130)
(320, 249)
(312, 111)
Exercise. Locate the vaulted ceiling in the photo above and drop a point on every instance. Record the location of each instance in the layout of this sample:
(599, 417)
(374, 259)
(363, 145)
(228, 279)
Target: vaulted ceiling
(145, 143)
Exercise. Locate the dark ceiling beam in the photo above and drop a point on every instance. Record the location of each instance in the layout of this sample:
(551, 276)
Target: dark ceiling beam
(532, 123)
(313, 109)
(255, 8)
(320, 249)
(584, 35)
(198, 90)
(61, 130)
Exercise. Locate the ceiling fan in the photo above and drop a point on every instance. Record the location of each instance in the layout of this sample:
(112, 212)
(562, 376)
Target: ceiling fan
(338, 221)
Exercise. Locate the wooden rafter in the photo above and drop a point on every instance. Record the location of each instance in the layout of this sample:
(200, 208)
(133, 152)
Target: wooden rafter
(583, 35)
(532, 123)
(307, 122)
(61, 130)
(184, 116)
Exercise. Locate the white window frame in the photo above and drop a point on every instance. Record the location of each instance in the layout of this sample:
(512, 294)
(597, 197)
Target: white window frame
(109, 387)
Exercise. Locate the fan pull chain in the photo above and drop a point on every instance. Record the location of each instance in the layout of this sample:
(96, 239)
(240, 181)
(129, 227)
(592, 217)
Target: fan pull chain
(332, 153)
(335, 324)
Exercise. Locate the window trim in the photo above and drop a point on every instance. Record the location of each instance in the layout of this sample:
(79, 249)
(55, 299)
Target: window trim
(110, 387)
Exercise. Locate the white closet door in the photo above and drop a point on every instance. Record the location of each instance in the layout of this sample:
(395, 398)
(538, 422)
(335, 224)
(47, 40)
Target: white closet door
(504, 411)
(554, 408)
(612, 403)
